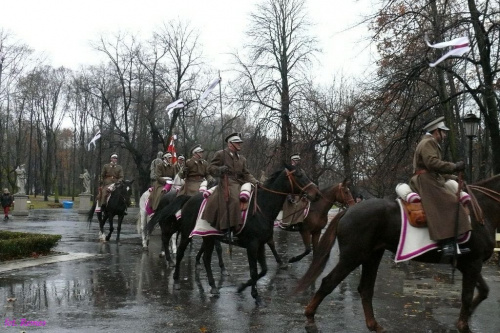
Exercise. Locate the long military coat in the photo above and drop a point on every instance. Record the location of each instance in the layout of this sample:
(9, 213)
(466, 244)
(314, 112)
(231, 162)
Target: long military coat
(440, 204)
(216, 211)
(110, 174)
(194, 173)
(162, 170)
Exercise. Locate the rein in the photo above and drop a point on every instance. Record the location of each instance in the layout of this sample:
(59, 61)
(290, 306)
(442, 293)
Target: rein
(478, 212)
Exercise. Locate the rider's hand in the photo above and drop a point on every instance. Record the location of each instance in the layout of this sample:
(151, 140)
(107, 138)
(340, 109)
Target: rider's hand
(460, 166)
(223, 169)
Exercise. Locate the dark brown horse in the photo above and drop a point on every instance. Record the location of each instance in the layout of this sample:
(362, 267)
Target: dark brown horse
(367, 229)
(317, 218)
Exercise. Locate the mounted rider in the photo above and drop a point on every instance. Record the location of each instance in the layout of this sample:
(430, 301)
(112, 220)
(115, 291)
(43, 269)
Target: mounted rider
(194, 172)
(111, 173)
(165, 173)
(295, 205)
(429, 178)
(231, 167)
(157, 161)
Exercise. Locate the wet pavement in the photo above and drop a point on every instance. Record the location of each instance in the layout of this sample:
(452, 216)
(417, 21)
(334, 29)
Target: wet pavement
(108, 287)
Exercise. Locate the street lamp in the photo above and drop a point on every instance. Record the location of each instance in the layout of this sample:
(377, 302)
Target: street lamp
(471, 124)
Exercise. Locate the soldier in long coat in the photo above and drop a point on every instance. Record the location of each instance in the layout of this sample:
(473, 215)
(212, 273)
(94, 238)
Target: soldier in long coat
(111, 173)
(295, 205)
(231, 166)
(194, 172)
(430, 175)
(163, 171)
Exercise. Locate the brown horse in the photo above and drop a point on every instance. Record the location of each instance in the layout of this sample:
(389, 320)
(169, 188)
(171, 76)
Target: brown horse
(317, 218)
(367, 229)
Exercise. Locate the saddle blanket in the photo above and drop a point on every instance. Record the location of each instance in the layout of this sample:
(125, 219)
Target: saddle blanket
(278, 223)
(203, 227)
(416, 241)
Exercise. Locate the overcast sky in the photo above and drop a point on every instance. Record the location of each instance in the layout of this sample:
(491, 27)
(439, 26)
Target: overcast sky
(62, 29)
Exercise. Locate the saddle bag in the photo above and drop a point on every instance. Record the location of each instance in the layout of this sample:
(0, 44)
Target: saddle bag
(416, 214)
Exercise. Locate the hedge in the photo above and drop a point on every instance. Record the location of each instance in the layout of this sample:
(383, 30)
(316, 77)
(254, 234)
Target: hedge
(14, 245)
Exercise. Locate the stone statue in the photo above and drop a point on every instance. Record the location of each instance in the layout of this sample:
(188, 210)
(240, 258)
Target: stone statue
(21, 179)
(85, 176)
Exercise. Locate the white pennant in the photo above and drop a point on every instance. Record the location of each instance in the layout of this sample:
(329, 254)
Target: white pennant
(94, 139)
(460, 46)
(175, 105)
(209, 89)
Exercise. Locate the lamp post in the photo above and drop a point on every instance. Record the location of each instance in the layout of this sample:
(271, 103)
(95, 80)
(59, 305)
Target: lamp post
(471, 124)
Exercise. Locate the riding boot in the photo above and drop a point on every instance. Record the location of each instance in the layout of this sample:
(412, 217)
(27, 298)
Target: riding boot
(448, 247)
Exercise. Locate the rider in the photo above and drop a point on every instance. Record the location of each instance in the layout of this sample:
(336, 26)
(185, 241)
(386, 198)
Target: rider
(430, 175)
(295, 205)
(181, 163)
(157, 161)
(194, 173)
(163, 172)
(111, 173)
(231, 167)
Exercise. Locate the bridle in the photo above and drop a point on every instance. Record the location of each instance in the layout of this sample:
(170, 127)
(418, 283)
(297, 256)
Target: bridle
(293, 183)
(343, 200)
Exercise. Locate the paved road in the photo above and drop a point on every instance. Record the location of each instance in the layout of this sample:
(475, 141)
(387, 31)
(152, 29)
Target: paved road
(120, 288)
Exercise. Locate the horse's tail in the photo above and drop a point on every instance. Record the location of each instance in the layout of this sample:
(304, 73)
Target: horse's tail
(321, 255)
(90, 214)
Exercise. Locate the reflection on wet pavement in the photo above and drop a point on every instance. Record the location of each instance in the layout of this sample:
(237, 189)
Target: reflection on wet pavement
(123, 289)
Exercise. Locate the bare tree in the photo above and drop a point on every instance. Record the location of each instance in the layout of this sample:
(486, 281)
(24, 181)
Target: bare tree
(280, 51)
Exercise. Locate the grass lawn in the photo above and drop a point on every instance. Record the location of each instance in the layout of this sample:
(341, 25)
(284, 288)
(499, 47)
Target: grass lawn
(38, 202)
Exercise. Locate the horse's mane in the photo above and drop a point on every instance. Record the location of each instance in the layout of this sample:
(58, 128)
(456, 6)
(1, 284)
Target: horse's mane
(275, 174)
(487, 180)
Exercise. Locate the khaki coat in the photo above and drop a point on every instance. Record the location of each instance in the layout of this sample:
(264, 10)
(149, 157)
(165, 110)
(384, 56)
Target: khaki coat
(111, 173)
(440, 204)
(194, 173)
(216, 210)
(162, 170)
(293, 210)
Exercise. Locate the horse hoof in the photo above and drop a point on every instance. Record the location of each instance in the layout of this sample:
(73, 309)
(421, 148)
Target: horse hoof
(177, 286)
(224, 272)
(241, 288)
(259, 302)
(214, 291)
(311, 328)
(162, 254)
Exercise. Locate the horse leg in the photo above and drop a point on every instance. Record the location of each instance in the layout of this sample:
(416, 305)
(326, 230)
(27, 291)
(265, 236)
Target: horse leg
(471, 273)
(306, 239)
(315, 235)
(200, 253)
(166, 235)
(179, 255)
(328, 284)
(261, 258)
(272, 246)
(483, 291)
(101, 227)
(111, 228)
(119, 228)
(254, 251)
(208, 241)
(366, 288)
(218, 249)
(145, 236)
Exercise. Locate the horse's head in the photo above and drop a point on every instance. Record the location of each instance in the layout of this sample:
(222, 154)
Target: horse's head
(300, 183)
(344, 195)
(124, 187)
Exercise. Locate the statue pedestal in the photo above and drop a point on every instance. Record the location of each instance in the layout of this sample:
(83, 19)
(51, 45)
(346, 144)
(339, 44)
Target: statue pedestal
(85, 205)
(20, 205)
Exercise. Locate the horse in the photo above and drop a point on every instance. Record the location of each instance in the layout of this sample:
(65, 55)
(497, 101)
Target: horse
(372, 226)
(143, 218)
(267, 200)
(317, 218)
(119, 200)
